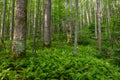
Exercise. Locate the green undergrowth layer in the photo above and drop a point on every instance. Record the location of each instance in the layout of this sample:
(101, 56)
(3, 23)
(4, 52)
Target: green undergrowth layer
(58, 63)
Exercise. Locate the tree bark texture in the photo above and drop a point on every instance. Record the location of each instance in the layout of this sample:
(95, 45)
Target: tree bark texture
(47, 24)
(99, 24)
(19, 39)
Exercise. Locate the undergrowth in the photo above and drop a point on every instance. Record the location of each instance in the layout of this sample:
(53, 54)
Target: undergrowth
(58, 63)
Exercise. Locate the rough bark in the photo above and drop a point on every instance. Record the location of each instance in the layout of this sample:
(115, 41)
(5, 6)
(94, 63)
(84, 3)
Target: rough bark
(19, 39)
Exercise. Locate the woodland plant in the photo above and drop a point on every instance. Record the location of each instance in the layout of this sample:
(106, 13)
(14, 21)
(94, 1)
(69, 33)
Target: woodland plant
(59, 63)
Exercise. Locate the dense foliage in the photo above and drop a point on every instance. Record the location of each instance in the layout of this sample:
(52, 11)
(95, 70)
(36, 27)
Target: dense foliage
(58, 62)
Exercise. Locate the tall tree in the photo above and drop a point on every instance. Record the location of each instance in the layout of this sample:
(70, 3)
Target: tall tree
(90, 10)
(7, 19)
(29, 18)
(87, 14)
(12, 20)
(71, 21)
(47, 23)
(95, 16)
(3, 20)
(76, 28)
(99, 23)
(19, 39)
(68, 25)
(108, 19)
(81, 21)
(35, 25)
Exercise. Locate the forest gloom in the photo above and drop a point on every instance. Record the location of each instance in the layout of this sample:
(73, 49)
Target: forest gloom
(60, 40)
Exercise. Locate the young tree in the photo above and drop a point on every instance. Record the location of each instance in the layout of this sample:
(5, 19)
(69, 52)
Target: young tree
(90, 10)
(29, 18)
(76, 29)
(35, 26)
(47, 23)
(3, 20)
(108, 19)
(99, 23)
(71, 21)
(12, 20)
(19, 39)
(95, 16)
(68, 25)
(87, 14)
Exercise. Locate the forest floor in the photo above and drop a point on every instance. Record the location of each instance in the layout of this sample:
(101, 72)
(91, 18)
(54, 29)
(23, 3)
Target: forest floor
(58, 63)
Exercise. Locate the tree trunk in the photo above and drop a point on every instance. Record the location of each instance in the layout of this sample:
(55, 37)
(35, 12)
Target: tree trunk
(39, 19)
(90, 10)
(87, 14)
(68, 26)
(35, 27)
(47, 24)
(71, 23)
(3, 20)
(108, 20)
(81, 25)
(19, 39)
(99, 24)
(12, 20)
(84, 20)
(29, 19)
(8, 20)
(42, 21)
(76, 29)
(95, 15)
